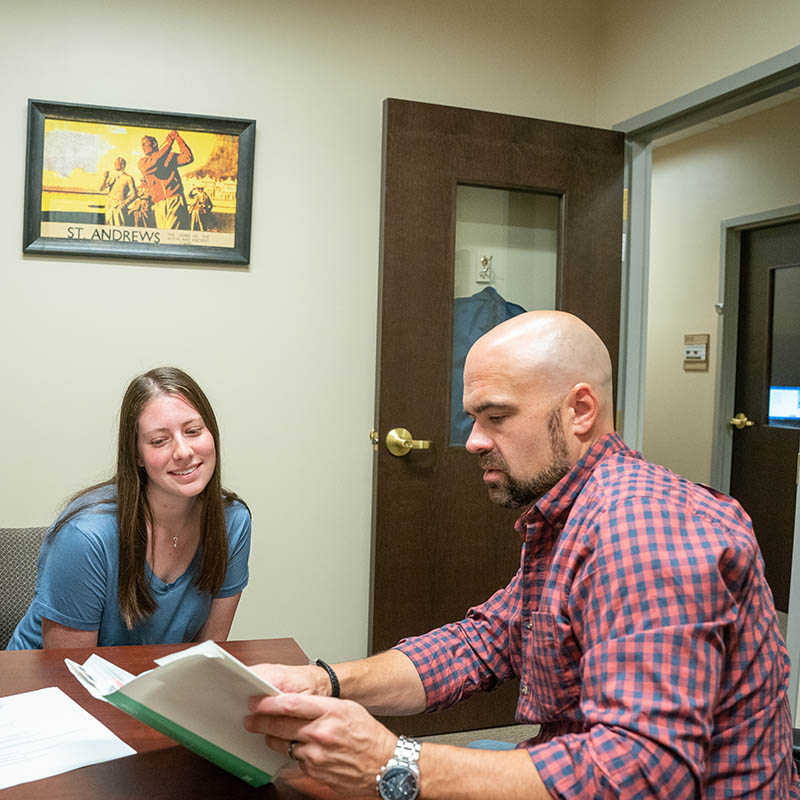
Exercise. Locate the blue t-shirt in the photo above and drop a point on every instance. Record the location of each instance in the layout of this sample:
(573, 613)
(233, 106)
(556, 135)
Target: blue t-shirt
(76, 583)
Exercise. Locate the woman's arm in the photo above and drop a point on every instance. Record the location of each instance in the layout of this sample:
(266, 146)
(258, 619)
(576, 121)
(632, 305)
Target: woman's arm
(55, 635)
(220, 618)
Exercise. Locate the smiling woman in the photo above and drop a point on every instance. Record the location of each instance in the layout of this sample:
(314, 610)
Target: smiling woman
(158, 553)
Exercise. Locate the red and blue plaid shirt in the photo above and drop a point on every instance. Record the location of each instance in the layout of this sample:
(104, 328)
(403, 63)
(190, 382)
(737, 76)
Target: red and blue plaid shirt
(644, 636)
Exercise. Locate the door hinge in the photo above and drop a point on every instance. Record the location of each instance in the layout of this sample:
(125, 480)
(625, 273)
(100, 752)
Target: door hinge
(797, 474)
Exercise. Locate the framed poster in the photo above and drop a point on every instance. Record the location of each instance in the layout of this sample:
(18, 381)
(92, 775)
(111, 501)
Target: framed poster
(137, 184)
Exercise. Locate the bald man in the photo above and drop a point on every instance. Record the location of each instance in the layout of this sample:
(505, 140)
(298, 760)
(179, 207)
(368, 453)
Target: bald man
(639, 623)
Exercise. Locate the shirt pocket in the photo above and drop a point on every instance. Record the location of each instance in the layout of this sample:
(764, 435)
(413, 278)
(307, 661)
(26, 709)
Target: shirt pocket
(551, 673)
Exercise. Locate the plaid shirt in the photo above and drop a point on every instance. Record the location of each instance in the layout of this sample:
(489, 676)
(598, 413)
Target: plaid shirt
(644, 635)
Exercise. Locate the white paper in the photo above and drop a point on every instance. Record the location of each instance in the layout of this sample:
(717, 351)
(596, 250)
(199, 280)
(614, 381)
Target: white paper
(45, 732)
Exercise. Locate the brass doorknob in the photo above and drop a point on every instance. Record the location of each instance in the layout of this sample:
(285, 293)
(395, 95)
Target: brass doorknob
(740, 421)
(399, 442)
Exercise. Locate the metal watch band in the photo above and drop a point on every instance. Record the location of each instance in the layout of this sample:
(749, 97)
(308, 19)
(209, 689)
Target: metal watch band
(406, 754)
(407, 750)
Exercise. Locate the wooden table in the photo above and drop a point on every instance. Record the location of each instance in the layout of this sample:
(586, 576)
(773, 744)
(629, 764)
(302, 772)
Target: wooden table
(161, 768)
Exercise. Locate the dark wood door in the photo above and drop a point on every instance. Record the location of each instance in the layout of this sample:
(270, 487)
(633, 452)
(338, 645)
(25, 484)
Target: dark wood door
(439, 545)
(765, 455)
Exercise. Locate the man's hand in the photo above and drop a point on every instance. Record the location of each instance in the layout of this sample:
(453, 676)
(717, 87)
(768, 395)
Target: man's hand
(304, 680)
(336, 742)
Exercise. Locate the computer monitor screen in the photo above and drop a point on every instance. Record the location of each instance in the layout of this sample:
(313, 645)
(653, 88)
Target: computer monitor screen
(784, 402)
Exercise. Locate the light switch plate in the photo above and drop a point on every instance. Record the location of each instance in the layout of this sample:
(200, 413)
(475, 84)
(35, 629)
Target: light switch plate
(695, 352)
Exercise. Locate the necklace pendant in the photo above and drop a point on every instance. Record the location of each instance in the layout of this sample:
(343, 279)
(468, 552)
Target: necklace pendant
(174, 541)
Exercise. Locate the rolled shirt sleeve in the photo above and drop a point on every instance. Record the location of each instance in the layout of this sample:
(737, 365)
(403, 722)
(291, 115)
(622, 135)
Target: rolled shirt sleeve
(469, 656)
(73, 589)
(238, 523)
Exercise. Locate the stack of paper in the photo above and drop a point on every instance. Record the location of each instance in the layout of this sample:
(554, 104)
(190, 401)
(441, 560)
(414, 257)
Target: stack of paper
(45, 732)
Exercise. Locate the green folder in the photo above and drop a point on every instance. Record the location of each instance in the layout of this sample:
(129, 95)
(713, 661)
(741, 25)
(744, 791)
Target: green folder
(198, 697)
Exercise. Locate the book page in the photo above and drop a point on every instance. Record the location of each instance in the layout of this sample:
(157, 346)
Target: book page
(205, 696)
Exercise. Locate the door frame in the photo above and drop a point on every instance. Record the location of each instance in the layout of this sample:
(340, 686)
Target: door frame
(728, 307)
(748, 86)
(724, 397)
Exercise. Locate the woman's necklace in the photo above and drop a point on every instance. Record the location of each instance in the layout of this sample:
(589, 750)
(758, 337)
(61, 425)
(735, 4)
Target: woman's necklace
(175, 541)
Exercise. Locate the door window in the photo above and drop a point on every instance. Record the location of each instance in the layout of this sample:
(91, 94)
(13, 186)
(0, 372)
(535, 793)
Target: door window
(506, 262)
(784, 385)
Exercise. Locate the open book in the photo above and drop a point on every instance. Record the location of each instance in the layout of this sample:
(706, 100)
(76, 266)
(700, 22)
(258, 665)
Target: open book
(198, 697)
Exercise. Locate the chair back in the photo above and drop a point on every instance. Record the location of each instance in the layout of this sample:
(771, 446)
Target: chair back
(19, 550)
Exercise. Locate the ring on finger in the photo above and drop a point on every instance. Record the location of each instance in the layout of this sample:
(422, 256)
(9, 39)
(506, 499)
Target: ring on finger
(291, 749)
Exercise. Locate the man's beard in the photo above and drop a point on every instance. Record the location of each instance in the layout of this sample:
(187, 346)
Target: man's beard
(514, 492)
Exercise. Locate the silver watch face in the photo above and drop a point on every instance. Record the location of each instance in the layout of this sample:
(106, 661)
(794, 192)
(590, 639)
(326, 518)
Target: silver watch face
(399, 783)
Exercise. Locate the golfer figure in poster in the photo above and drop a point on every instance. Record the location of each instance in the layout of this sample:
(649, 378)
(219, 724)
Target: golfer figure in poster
(159, 168)
(121, 190)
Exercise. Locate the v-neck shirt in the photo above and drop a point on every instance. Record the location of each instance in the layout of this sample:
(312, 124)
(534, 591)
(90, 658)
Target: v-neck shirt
(77, 575)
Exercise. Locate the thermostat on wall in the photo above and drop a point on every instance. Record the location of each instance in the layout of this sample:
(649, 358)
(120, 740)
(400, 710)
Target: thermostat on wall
(695, 352)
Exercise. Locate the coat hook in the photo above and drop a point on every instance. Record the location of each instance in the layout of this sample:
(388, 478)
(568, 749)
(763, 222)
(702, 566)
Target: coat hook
(485, 271)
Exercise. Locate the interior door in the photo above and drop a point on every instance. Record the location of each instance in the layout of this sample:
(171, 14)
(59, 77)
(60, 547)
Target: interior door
(439, 545)
(764, 460)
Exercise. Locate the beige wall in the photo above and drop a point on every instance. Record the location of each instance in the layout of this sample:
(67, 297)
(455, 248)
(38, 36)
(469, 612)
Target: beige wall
(742, 168)
(651, 51)
(285, 349)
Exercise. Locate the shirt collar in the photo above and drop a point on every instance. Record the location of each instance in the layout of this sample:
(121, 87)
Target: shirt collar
(554, 505)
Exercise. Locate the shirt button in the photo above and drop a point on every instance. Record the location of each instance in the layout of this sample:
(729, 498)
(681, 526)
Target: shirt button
(560, 525)
(523, 689)
(529, 625)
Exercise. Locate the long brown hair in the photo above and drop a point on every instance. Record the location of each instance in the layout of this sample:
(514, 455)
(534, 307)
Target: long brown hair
(133, 511)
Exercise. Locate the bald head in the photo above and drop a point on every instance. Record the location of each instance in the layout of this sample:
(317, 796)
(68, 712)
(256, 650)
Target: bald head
(538, 389)
(549, 353)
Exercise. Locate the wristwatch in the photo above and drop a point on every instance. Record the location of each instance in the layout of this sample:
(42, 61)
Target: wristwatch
(399, 778)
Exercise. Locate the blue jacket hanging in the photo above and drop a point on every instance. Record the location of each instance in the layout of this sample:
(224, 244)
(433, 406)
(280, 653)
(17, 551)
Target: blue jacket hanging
(472, 317)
